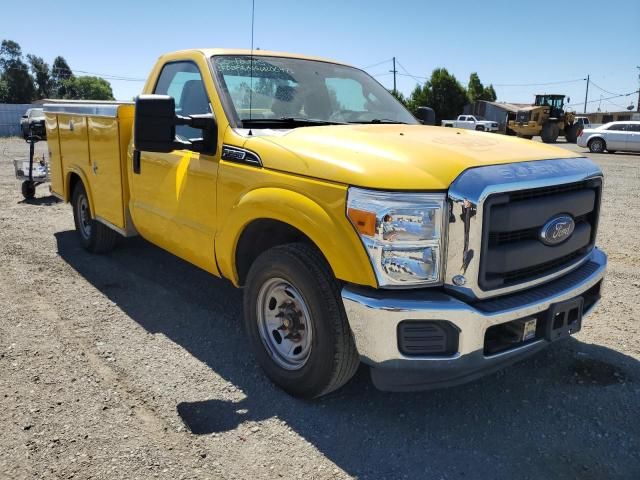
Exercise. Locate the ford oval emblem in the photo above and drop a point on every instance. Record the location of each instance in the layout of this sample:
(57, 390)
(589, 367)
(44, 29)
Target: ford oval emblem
(557, 230)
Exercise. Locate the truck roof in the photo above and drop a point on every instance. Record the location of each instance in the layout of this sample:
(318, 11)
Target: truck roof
(209, 52)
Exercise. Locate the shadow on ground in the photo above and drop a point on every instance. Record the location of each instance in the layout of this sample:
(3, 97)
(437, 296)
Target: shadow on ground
(570, 412)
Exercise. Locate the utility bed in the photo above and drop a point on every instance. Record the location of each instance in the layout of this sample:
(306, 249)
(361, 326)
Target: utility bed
(90, 140)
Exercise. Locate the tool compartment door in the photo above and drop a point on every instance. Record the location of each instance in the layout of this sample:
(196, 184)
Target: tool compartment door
(74, 147)
(105, 172)
(55, 162)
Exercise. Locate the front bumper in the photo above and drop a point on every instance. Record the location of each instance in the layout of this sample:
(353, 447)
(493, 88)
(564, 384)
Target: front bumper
(374, 316)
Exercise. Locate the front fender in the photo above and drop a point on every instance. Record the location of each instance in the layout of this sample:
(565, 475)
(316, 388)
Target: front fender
(328, 228)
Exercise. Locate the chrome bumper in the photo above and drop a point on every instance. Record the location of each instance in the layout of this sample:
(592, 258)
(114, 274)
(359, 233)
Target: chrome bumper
(374, 316)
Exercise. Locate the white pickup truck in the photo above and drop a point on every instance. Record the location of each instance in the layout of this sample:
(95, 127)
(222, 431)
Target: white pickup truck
(472, 122)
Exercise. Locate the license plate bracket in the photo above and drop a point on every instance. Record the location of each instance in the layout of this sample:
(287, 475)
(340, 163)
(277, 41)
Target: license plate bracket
(564, 319)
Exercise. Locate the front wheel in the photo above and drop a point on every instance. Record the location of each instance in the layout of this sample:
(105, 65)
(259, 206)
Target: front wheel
(571, 133)
(296, 323)
(596, 145)
(94, 236)
(550, 132)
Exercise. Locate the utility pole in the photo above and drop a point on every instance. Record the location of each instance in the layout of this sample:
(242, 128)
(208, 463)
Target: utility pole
(394, 71)
(638, 104)
(586, 95)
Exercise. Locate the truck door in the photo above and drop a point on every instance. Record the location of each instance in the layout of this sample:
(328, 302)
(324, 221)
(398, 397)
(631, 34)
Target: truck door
(173, 197)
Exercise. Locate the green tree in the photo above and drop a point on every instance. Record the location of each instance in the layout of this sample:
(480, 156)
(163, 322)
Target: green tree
(490, 94)
(399, 96)
(14, 74)
(60, 72)
(477, 91)
(41, 74)
(87, 88)
(442, 92)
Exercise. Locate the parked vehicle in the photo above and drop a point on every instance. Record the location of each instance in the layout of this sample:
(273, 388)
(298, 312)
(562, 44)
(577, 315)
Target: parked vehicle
(612, 137)
(358, 234)
(546, 118)
(472, 122)
(32, 122)
(583, 122)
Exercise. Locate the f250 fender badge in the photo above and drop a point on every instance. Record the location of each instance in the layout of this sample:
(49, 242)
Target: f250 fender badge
(557, 230)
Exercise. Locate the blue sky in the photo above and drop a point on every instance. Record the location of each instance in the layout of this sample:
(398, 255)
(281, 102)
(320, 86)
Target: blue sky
(506, 42)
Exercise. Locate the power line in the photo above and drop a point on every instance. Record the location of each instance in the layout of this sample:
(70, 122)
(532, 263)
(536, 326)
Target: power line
(102, 75)
(607, 98)
(407, 74)
(376, 64)
(537, 84)
(600, 88)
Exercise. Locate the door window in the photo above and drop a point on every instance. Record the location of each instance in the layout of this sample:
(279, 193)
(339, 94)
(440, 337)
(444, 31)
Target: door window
(634, 127)
(618, 127)
(182, 81)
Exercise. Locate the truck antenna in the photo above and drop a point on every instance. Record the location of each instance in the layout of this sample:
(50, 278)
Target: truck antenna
(253, 10)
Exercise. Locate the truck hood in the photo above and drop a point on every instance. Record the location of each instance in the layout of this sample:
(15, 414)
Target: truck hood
(398, 157)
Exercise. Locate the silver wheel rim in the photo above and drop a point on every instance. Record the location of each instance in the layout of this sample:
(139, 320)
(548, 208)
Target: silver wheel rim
(84, 217)
(596, 145)
(284, 324)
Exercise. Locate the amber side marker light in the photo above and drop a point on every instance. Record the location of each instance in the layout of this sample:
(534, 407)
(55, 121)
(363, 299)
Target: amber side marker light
(365, 222)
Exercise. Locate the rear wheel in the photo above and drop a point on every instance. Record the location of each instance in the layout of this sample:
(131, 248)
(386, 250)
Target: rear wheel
(94, 236)
(28, 190)
(571, 132)
(596, 145)
(296, 323)
(550, 132)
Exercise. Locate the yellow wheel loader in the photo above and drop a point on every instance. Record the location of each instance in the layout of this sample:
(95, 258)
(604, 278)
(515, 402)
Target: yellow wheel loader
(546, 118)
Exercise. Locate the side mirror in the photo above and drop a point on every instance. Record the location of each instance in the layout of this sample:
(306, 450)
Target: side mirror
(426, 116)
(155, 127)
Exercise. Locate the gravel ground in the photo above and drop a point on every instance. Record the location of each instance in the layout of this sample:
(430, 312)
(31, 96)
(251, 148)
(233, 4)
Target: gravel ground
(133, 365)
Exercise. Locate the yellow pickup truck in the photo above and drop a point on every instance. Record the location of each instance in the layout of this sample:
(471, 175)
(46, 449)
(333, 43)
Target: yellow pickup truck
(357, 232)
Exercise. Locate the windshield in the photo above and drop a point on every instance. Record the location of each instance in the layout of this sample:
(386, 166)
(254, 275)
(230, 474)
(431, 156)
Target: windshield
(554, 101)
(305, 91)
(36, 113)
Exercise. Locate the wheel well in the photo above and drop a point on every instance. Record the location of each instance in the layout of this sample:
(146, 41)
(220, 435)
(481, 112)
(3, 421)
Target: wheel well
(74, 178)
(596, 138)
(260, 236)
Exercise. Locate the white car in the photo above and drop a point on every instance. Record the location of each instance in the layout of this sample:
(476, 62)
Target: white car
(612, 136)
(472, 122)
(33, 122)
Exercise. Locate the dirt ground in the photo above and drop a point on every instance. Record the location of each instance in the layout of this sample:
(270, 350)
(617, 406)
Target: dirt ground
(133, 365)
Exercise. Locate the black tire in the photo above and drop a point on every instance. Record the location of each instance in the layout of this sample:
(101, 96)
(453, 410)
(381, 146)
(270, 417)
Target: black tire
(332, 359)
(479, 128)
(550, 132)
(449, 126)
(94, 236)
(597, 145)
(571, 132)
(28, 190)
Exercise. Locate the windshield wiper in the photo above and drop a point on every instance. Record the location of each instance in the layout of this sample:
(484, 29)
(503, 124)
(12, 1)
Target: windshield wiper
(293, 121)
(380, 120)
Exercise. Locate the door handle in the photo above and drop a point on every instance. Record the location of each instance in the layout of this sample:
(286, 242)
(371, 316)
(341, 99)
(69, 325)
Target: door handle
(136, 161)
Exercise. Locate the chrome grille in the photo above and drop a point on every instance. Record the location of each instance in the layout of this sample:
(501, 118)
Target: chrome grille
(501, 208)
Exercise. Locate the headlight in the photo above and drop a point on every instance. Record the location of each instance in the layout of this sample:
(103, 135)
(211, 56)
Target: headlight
(403, 234)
